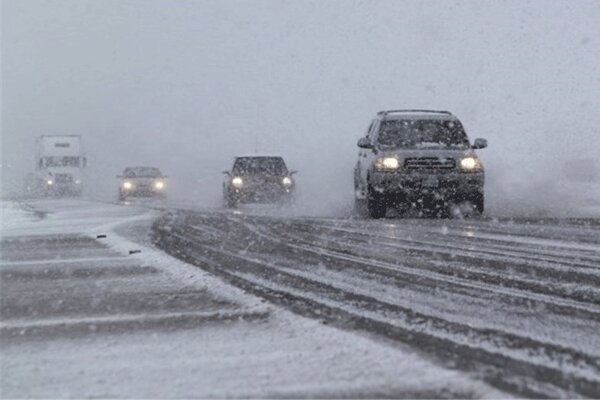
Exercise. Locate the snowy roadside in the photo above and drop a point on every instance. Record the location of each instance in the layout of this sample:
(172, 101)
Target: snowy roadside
(13, 215)
(281, 355)
(518, 196)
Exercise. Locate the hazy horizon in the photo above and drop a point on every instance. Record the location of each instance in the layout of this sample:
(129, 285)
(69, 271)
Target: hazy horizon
(188, 85)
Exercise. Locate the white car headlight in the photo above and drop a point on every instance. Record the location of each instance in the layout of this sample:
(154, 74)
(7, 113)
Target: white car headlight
(286, 181)
(386, 163)
(470, 163)
(127, 185)
(159, 185)
(237, 182)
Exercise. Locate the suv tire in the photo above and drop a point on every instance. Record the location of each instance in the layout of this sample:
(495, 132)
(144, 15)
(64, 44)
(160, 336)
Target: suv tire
(230, 203)
(478, 202)
(375, 205)
(360, 207)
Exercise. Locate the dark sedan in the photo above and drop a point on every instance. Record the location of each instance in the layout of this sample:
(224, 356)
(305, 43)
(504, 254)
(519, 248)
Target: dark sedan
(142, 182)
(258, 179)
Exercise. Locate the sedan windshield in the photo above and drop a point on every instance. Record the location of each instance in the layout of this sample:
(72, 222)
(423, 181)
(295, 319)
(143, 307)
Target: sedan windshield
(142, 172)
(260, 165)
(417, 134)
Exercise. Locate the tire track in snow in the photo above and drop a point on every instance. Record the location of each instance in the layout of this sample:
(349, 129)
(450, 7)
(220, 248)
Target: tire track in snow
(232, 257)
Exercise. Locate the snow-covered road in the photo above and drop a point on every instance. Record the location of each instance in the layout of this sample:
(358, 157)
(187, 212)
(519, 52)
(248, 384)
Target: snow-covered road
(91, 309)
(517, 301)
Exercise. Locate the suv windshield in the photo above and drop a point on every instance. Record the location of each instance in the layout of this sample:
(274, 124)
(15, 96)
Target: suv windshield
(142, 172)
(425, 133)
(260, 165)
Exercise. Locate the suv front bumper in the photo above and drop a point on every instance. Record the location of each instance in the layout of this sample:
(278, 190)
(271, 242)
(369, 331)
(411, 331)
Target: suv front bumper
(415, 185)
(142, 191)
(261, 194)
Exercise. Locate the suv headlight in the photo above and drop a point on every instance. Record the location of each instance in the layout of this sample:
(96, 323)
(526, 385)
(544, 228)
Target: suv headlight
(470, 164)
(287, 181)
(237, 182)
(386, 163)
(159, 185)
(127, 185)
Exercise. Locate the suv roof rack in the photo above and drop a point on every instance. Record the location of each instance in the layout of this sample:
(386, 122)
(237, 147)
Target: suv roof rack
(386, 112)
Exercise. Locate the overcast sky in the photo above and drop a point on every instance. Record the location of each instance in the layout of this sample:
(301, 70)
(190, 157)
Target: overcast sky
(186, 85)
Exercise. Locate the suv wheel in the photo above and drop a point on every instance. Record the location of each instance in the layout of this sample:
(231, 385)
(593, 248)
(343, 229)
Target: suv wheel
(230, 202)
(375, 205)
(360, 207)
(478, 203)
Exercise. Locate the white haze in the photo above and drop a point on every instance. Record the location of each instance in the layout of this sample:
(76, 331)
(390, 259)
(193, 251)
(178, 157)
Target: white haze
(187, 85)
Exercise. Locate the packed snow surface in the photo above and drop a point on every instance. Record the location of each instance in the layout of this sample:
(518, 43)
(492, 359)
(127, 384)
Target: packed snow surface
(86, 335)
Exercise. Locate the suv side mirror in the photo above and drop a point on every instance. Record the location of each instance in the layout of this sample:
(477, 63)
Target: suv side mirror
(293, 172)
(119, 176)
(480, 143)
(364, 143)
(226, 172)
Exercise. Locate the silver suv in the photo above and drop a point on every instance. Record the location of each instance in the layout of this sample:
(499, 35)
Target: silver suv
(417, 159)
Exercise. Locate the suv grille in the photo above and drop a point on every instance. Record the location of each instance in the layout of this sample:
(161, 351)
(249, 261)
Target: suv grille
(429, 163)
(63, 178)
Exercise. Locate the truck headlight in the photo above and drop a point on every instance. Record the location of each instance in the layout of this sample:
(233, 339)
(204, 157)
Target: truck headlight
(386, 163)
(286, 181)
(470, 164)
(237, 182)
(127, 185)
(159, 185)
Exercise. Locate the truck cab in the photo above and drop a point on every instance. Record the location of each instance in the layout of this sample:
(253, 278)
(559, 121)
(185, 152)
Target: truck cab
(60, 163)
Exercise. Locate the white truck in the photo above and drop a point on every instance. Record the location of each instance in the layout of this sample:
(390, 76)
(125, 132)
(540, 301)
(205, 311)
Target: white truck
(60, 162)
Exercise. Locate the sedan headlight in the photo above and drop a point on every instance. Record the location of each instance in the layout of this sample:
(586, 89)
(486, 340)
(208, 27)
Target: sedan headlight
(286, 181)
(127, 185)
(386, 163)
(237, 182)
(159, 185)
